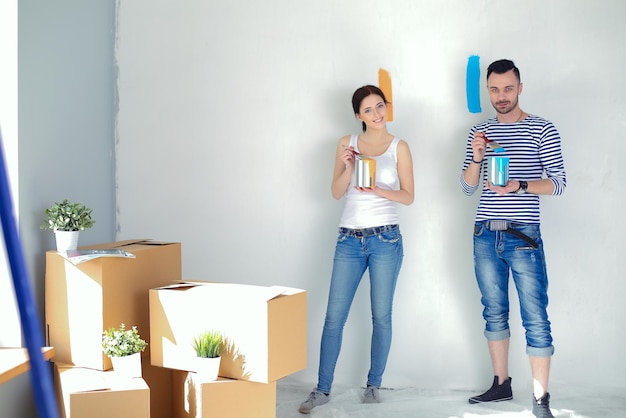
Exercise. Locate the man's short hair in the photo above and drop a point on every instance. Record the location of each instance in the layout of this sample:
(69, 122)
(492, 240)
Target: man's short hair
(501, 67)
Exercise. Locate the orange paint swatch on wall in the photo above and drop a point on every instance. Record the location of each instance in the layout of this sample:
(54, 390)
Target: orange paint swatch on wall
(384, 82)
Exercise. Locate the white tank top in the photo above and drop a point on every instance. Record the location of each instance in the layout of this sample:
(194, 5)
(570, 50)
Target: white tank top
(366, 210)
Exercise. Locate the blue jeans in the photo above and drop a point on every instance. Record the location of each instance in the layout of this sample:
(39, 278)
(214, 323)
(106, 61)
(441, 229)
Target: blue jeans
(495, 254)
(382, 254)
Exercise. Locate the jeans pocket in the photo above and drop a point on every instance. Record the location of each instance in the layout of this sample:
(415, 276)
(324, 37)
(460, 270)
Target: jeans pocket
(532, 232)
(390, 236)
(478, 229)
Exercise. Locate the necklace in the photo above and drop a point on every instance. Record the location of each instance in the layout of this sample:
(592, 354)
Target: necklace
(521, 116)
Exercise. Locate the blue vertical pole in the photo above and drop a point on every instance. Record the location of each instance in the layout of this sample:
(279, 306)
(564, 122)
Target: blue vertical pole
(41, 377)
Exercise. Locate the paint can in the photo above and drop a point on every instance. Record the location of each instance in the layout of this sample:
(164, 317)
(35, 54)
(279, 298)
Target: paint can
(365, 171)
(499, 171)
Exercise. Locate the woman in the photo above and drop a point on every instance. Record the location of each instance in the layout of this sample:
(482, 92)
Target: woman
(369, 237)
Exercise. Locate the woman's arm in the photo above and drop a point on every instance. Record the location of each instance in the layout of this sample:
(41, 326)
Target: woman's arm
(344, 166)
(405, 194)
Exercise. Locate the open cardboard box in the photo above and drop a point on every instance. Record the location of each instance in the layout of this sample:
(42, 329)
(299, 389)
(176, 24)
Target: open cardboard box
(264, 327)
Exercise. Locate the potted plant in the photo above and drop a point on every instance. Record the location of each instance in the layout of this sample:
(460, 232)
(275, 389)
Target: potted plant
(124, 347)
(208, 348)
(67, 219)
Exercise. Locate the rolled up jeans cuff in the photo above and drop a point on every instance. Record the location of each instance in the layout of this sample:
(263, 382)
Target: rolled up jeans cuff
(540, 352)
(498, 335)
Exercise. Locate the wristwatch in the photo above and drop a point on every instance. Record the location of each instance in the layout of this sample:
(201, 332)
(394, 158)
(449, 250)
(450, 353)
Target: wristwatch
(523, 186)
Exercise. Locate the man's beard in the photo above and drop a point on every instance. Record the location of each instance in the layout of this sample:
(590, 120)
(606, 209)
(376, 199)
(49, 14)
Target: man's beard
(508, 109)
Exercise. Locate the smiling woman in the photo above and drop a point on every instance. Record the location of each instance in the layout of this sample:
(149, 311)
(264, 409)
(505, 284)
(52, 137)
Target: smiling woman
(369, 238)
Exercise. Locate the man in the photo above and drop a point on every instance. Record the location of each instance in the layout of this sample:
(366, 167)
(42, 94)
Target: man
(507, 236)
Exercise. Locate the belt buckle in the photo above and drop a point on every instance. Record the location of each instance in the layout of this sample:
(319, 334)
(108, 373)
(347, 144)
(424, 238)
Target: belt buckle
(498, 225)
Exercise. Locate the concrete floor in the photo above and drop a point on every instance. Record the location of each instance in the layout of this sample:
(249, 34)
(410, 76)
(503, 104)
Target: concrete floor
(590, 402)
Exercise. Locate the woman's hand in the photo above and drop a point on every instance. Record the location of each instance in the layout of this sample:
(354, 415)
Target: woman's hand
(344, 167)
(374, 190)
(348, 157)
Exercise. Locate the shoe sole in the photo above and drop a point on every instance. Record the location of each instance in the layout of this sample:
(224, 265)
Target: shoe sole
(475, 401)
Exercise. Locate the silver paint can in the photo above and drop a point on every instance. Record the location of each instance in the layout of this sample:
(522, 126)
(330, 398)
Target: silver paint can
(365, 168)
(499, 170)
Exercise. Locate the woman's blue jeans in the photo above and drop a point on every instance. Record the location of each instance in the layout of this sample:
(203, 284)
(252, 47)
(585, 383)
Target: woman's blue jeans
(495, 254)
(382, 254)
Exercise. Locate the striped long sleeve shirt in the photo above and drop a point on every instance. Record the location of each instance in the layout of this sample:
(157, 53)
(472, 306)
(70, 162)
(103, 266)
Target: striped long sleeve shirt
(533, 146)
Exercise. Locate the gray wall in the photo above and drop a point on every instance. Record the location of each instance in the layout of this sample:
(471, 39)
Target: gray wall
(66, 123)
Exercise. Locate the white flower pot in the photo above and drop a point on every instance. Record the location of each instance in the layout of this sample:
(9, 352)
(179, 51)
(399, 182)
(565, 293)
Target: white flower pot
(207, 369)
(127, 366)
(66, 240)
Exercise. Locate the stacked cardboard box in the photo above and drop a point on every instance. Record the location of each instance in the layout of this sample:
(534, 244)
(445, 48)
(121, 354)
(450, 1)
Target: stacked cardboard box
(223, 398)
(82, 300)
(264, 330)
(84, 392)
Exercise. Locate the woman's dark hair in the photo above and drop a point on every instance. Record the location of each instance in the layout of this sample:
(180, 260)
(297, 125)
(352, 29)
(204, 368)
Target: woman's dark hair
(501, 67)
(361, 93)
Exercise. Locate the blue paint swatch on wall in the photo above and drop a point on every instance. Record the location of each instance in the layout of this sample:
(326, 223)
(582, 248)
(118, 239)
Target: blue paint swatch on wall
(472, 84)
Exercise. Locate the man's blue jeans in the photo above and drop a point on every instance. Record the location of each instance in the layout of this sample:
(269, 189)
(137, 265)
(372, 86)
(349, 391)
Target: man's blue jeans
(495, 254)
(382, 254)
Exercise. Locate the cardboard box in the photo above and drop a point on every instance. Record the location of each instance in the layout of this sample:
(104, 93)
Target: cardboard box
(159, 381)
(89, 393)
(85, 299)
(222, 398)
(264, 327)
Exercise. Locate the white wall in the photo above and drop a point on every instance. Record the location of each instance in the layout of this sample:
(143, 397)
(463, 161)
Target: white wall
(229, 113)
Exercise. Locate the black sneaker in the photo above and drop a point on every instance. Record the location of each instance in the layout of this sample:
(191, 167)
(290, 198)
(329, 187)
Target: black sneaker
(541, 407)
(496, 392)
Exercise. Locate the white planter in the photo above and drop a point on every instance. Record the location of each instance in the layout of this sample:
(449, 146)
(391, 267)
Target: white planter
(66, 240)
(207, 369)
(127, 366)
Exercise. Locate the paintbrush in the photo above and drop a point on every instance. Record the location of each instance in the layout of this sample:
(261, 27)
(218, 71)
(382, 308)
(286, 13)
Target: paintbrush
(494, 145)
(353, 151)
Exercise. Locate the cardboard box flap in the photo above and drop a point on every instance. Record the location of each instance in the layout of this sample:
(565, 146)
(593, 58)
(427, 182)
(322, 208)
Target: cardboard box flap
(243, 291)
(285, 291)
(111, 245)
(79, 379)
(182, 286)
(127, 243)
(150, 242)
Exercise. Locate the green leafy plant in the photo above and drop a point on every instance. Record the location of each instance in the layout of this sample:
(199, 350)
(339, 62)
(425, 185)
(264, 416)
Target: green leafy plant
(208, 344)
(67, 216)
(122, 342)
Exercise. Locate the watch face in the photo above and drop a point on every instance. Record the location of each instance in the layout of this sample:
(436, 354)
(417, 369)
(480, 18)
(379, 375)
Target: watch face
(522, 187)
